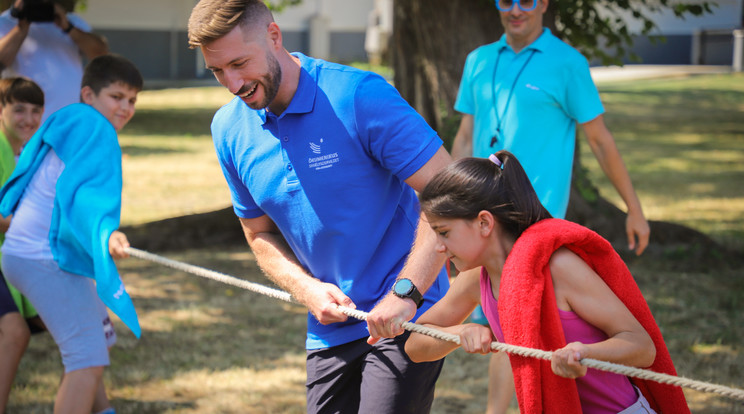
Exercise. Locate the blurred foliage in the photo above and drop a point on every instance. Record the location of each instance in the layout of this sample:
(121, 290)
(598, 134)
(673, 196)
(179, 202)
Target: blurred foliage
(600, 28)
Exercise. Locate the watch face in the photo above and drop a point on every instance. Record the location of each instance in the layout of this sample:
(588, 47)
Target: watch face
(403, 287)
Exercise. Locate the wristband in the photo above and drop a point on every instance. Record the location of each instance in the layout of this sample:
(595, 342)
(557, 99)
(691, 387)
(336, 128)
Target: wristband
(69, 28)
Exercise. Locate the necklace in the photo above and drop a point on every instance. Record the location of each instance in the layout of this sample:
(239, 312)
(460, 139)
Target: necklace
(500, 119)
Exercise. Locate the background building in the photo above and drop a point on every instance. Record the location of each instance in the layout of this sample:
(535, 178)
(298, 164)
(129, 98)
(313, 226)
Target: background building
(153, 33)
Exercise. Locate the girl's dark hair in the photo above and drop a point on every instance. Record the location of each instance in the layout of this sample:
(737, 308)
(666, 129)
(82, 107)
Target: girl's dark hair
(21, 90)
(105, 70)
(470, 185)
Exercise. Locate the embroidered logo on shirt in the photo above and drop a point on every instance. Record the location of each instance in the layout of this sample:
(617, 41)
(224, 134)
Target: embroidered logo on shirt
(323, 161)
(315, 148)
(533, 87)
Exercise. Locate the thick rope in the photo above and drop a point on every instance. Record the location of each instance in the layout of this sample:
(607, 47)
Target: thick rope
(413, 327)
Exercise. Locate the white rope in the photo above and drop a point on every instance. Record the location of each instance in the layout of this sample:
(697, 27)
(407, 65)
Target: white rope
(413, 327)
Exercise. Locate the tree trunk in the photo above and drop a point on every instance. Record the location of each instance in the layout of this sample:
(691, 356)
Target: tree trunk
(431, 39)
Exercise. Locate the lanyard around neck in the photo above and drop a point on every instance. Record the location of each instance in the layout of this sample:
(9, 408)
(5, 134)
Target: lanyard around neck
(500, 119)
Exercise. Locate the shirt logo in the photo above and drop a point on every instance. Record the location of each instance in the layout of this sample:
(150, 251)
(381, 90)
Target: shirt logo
(533, 87)
(315, 148)
(321, 161)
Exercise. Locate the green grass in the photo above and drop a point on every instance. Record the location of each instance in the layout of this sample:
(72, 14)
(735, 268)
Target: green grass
(210, 348)
(683, 143)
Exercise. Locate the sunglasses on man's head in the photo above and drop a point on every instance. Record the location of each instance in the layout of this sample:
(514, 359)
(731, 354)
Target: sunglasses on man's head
(524, 5)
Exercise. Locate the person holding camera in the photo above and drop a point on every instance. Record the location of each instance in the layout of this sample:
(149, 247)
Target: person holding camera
(41, 40)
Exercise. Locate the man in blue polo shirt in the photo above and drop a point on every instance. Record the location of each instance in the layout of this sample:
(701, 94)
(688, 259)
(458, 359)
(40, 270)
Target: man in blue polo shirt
(322, 161)
(526, 93)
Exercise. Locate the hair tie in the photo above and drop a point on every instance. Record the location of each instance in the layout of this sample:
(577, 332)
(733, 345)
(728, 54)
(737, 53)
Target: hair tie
(496, 161)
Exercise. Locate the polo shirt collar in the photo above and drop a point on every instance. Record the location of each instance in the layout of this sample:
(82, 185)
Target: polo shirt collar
(540, 44)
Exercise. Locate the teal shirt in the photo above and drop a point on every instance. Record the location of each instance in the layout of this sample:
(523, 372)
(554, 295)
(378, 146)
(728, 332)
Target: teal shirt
(539, 94)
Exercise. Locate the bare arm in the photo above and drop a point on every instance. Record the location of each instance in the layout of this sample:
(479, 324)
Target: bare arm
(118, 244)
(11, 43)
(281, 266)
(4, 223)
(90, 44)
(462, 146)
(422, 266)
(448, 315)
(579, 289)
(603, 146)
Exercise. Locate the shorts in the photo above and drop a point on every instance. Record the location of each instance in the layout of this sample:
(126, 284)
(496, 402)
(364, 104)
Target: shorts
(360, 378)
(70, 308)
(7, 304)
(641, 406)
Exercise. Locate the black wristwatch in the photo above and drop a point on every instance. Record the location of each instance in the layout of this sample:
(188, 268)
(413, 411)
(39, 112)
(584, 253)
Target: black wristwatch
(404, 288)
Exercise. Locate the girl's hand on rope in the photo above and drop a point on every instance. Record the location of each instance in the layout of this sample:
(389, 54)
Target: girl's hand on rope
(386, 319)
(476, 338)
(323, 299)
(565, 362)
(118, 243)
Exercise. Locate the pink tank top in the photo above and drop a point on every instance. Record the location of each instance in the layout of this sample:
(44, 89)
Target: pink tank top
(600, 392)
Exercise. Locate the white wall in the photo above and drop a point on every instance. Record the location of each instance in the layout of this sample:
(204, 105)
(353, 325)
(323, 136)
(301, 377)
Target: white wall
(343, 15)
(138, 14)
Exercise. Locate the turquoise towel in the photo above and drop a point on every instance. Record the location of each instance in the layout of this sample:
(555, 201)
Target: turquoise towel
(87, 205)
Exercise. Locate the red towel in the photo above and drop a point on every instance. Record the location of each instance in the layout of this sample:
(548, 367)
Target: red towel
(529, 317)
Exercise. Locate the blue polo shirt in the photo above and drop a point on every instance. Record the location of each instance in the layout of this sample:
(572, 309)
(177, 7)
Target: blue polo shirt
(553, 91)
(330, 171)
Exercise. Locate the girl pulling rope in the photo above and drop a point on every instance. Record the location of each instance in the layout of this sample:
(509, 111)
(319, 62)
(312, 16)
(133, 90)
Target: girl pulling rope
(545, 283)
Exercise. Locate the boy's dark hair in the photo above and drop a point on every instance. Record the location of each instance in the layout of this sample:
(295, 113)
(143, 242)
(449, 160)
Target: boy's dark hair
(470, 185)
(13, 90)
(109, 69)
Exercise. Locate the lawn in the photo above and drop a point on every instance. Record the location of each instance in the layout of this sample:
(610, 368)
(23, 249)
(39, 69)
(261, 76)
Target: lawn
(211, 348)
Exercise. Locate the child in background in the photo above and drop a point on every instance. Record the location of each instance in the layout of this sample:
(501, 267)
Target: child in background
(544, 283)
(21, 107)
(65, 197)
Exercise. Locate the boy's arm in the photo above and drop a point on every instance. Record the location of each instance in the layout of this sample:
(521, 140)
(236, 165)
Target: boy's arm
(118, 244)
(4, 223)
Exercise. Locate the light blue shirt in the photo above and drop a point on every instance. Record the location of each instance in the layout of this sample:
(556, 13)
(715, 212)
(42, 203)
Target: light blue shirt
(87, 201)
(553, 91)
(330, 171)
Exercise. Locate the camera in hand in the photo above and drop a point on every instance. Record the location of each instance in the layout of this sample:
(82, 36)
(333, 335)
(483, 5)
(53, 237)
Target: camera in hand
(35, 11)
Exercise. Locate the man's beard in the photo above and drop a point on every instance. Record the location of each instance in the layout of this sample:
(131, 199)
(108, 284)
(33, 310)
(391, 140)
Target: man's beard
(270, 83)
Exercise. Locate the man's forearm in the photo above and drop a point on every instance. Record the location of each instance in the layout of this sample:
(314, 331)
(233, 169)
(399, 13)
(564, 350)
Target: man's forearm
(424, 263)
(279, 263)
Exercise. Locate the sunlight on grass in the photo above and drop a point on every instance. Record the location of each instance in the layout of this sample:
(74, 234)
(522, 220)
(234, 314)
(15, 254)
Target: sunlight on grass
(178, 178)
(182, 98)
(685, 138)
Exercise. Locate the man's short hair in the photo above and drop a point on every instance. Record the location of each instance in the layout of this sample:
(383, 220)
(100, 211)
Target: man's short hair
(213, 19)
(20, 90)
(105, 70)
